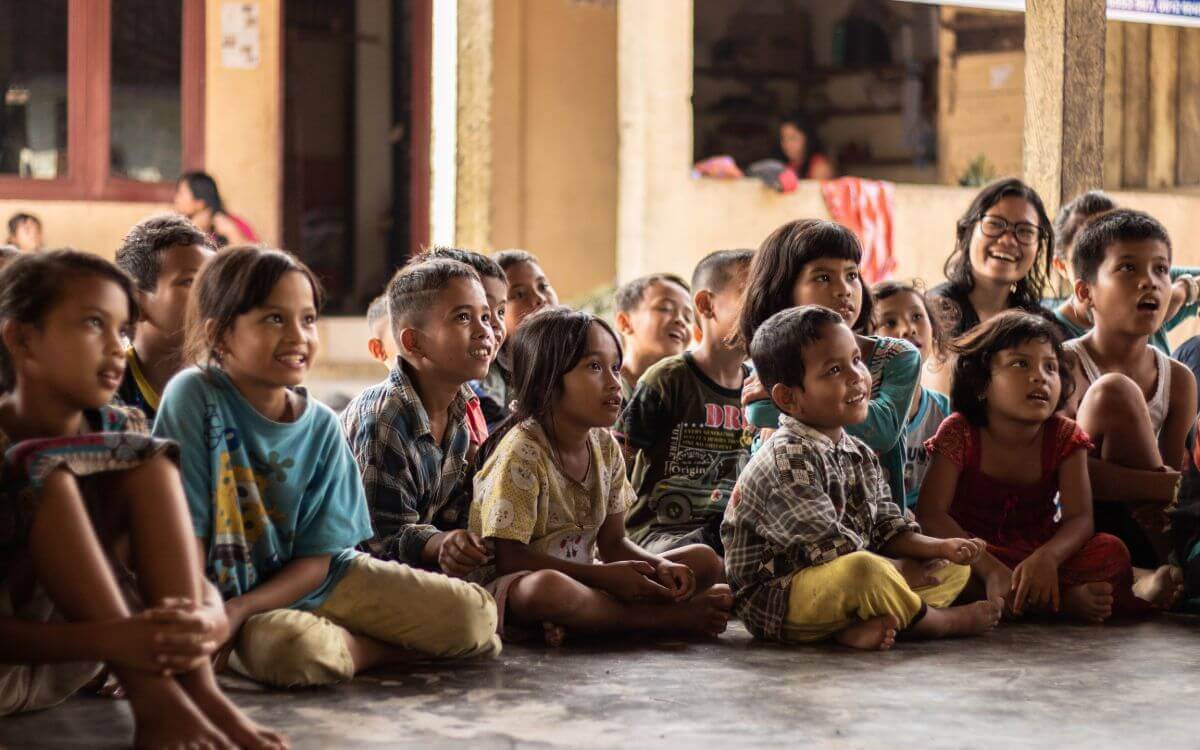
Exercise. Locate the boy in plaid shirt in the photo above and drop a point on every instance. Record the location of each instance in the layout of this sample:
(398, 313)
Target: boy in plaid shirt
(811, 517)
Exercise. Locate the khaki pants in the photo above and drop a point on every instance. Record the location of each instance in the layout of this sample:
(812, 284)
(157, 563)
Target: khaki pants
(828, 598)
(398, 605)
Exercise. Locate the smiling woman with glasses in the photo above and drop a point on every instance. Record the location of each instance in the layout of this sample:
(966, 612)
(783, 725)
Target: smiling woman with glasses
(1001, 257)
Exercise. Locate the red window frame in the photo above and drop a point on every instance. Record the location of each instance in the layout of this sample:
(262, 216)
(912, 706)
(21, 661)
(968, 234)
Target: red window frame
(89, 91)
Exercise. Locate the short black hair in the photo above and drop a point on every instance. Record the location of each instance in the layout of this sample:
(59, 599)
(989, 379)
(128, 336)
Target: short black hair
(630, 294)
(506, 259)
(32, 284)
(377, 311)
(17, 219)
(486, 267)
(1074, 216)
(1119, 225)
(978, 347)
(778, 346)
(140, 254)
(413, 289)
(204, 189)
(716, 270)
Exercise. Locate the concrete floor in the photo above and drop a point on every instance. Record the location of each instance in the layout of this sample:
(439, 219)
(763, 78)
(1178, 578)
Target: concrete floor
(1024, 685)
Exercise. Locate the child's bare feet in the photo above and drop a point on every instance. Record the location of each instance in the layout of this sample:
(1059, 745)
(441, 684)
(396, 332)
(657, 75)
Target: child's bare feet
(165, 717)
(975, 618)
(1090, 602)
(706, 613)
(555, 635)
(1163, 588)
(875, 634)
(208, 697)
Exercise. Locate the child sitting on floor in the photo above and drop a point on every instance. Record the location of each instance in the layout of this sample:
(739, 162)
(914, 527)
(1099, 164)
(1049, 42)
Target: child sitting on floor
(902, 312)
(163, 254)
(80, 479)
(1135, 402)
(379, 342)
(528, 291)
(410, 434)
(811, 513)
(1000, 461)
(552, 495)
(495, 288)
(682, 429)
(276, 500)
(813, 262)
(654, 317)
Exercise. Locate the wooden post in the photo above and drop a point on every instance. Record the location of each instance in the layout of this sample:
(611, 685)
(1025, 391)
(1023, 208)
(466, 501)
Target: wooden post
(1064, 97)
(1189, 107)
(473, 185)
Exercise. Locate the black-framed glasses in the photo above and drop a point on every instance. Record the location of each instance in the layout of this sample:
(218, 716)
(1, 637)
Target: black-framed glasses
(996, 227)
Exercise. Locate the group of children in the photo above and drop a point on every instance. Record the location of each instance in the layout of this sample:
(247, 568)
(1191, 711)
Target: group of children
(756, 442)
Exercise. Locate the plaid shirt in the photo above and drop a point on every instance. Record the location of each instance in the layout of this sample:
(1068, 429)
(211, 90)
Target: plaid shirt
(415, 487)
(803, 500)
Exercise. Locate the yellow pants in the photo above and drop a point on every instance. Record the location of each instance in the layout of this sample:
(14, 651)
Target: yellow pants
(413, 609)
(828, 598)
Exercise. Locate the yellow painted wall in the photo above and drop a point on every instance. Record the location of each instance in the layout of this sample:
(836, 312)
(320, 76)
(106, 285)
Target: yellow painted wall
(243, 150)
(554, 130)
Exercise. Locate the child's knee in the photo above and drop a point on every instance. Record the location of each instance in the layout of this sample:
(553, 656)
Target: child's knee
(866, 567)
(1115, 398)
(468, 617)
(1111, 549)
(291, 648)
(704, 562)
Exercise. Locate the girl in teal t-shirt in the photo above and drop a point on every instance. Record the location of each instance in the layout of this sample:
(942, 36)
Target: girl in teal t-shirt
(276, 498)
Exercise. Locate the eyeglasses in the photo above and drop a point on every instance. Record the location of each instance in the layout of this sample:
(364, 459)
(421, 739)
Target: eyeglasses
(996, 227)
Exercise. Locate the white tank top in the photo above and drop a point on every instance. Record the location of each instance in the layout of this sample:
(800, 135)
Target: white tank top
(1162, 390)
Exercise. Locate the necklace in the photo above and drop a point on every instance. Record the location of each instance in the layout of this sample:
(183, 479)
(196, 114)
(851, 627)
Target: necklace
(562, 466)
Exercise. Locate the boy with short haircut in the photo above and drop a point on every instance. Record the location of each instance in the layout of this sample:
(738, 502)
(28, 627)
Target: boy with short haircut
(1135, 402)
(654, 316)
(812, 514)
(682, 429)
(409, 433)
(379, 328)
(163, 254)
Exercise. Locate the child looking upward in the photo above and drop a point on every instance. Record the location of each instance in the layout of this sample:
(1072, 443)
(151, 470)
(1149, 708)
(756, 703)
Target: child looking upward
(655, 319)
(80, 481)
(276, 500)
(1008, 468)
(683, 427)
(552, 495)
(163, 255)
(812, 516)
(1135, 402)
(410, 434)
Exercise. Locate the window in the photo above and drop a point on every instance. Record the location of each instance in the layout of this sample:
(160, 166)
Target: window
(103, 98)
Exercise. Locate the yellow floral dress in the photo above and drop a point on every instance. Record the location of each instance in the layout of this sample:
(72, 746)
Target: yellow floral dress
(522, 495)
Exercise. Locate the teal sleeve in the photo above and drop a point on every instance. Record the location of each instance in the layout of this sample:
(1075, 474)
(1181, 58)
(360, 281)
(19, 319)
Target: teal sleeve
(1186, 312)
(763, 414)
(888, 412)
(333, 513)
(183, 416)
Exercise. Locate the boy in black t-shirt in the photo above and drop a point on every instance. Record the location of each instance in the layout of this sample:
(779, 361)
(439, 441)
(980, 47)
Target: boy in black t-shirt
(682, 428)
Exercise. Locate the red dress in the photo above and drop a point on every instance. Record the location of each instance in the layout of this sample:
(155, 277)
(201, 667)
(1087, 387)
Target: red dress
(1016, 519)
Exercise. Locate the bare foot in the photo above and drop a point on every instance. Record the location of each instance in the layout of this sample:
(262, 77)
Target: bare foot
(706, 613)
(975, 618)
(1090, 602)
(555, 635)
(1163, 588)
(875, 634)
(227, 717)
(164, 717)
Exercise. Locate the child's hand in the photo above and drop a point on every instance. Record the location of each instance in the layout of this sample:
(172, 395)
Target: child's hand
(962, 551)
(752, 390)
(460, 553)
(679, 579)
(167, 640)
(1035, 581)
(631, 581)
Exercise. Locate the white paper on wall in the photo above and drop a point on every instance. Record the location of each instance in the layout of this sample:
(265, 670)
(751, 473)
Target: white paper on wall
(240, 35)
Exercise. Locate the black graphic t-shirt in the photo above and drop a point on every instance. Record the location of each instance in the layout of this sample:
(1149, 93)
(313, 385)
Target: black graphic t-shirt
(686, 433)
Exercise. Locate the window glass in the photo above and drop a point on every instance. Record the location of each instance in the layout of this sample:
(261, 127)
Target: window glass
(147, 60)
(33, 78)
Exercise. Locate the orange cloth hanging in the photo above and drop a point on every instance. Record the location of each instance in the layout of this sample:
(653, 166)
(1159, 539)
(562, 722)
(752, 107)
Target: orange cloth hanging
(866, 207)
